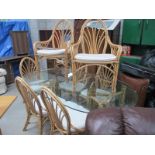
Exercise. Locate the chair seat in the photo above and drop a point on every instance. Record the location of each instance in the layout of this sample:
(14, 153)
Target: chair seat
(95, 57)
(50, 51)
(77, 119)
(42, 106)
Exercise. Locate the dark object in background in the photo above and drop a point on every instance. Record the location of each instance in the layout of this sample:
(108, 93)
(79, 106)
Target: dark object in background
(146, 69)
(20, 42)
(148, 60)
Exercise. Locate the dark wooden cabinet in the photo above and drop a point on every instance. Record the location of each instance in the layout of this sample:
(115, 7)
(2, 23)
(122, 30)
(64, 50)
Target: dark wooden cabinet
(45, 34)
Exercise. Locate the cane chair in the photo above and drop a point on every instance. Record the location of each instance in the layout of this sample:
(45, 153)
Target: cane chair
(95, 48)
(63, 119)
(57, 47)
(33, 103)
(27, 66)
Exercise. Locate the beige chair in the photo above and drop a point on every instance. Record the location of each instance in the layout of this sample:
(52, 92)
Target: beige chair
(94, 49)
(63, 119)
(27, 66)
(33, 103)
(57, 47)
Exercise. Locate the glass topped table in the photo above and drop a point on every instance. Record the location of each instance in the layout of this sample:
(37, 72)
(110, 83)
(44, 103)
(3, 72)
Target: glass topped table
(86, 96)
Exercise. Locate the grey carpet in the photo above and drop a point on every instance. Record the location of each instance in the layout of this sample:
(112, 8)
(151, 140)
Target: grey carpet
(13, 120)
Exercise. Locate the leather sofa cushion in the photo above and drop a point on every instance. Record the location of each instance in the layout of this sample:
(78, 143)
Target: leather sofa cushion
(104, 121)
(139, 121)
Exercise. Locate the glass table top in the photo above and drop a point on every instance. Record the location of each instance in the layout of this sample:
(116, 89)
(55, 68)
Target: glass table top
(86, 96)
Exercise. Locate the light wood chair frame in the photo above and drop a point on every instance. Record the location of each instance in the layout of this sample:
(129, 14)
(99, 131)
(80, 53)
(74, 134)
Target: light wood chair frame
(57, 41)
(29, 97)
(27, 66)
(91, 43)
(56, 116)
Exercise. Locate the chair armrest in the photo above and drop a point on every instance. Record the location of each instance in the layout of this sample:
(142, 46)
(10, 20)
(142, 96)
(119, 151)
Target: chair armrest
(115, 49)
(39, 44)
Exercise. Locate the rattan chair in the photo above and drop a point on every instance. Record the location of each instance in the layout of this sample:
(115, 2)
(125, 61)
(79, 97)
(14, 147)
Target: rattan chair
(27, 66)
(57, 47)
(94, 48)
(63, 119)
(33, 103)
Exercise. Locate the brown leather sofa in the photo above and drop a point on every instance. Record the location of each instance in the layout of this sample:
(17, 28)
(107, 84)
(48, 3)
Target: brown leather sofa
(139, 85)
(120, 121)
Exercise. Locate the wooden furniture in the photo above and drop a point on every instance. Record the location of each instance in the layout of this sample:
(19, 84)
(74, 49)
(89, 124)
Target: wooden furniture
(5, 103)
(60, 116)
(20, 42)
(27, 66)
(7, 63)
(96, 49)
(33, 103)
(57, 47)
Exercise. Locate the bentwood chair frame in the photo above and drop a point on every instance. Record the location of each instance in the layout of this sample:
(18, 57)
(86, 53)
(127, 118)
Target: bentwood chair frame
(58, 40)
(27, 66)
(95, 41)
(57, 113)
(30, 100)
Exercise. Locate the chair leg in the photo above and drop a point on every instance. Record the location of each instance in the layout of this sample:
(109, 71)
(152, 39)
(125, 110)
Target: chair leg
(115, 77)
(74, 76)
(53, 128)
(41, 125)
(27, 121)
(37, 61)
(66, 69)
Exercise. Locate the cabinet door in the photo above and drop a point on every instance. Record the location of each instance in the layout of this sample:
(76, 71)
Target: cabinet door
(148, 36)
(132, 30)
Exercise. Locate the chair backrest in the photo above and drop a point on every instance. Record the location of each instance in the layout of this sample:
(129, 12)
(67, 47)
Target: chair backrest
(57, 113)
(27, 66)
(28, 95)
(94, 38)
(106, 71)
(62, 35)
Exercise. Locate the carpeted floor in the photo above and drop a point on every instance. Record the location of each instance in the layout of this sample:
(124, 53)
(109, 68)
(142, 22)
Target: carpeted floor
(13, 120)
